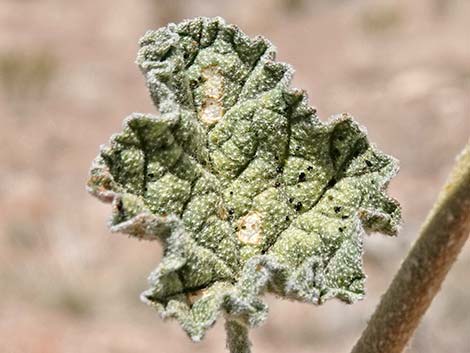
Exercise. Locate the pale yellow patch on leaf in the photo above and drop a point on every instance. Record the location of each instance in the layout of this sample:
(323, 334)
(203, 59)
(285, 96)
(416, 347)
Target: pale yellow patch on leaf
(249, 228)
(213, 89)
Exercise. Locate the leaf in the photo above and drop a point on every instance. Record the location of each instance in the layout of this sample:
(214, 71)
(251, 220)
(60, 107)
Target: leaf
(246, 189)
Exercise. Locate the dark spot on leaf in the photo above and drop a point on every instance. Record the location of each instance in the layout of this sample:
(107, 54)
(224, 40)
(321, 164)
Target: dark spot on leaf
(330, 197)
(297, 148)
(231, 192)
(263, 252)
(291, 199)
(279, 169)
(337, 209)
(150, 175)
(368, 163)
(309, 168)
(287, 219)
(231, 211)
(341, 229)
(277, 184)
(298, 206)
(344, 217)
(301, 177)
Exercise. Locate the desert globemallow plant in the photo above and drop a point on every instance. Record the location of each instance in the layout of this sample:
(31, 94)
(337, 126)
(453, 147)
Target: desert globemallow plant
(244, 187)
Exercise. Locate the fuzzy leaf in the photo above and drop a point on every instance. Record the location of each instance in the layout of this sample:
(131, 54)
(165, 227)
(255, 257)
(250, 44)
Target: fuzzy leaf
(245, 188)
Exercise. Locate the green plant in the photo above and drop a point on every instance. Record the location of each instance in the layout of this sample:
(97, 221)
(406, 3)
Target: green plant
(245, 188)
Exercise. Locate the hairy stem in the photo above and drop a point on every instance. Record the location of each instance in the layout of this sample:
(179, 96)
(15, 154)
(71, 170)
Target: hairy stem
(419, 279)
(237, 336)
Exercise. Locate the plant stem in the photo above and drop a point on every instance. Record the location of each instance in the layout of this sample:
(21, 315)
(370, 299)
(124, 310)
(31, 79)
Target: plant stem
(421, 274)
(237, 336)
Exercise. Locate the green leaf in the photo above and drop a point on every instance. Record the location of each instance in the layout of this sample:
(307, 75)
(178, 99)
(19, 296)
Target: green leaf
(246, 189)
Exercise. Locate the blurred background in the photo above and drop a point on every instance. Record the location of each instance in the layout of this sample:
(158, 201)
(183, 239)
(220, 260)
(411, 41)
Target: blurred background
(67, 80)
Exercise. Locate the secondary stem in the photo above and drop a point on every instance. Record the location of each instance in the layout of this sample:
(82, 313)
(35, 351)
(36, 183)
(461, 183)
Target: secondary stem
(423, 271)
(237, 337)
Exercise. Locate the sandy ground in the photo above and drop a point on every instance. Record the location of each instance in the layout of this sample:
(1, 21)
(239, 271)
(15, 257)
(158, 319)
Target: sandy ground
(67, 80)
